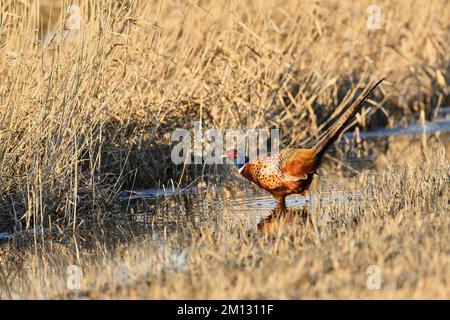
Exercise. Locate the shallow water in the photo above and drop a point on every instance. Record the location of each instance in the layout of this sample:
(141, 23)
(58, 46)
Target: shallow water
(428, 128)
(152, 212)
(246, 200)
(147, 218)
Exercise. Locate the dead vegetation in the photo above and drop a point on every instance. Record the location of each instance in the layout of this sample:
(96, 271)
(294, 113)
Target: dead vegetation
(396, 220)
(81, 120)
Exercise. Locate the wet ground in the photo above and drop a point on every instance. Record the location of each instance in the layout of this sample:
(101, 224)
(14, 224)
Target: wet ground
(152, 213)
(227, 204)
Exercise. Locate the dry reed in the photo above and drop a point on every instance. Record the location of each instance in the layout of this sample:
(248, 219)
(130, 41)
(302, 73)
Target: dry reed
(81, 120)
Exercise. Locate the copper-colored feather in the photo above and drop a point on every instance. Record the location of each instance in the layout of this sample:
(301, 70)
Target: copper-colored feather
(333, 133)
(291, 170)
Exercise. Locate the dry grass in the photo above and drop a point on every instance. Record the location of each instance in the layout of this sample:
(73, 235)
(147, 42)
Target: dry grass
(81, 120)
(397, 220)
(87, 113)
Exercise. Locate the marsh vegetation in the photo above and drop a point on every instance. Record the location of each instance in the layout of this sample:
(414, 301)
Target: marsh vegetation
(86, 118)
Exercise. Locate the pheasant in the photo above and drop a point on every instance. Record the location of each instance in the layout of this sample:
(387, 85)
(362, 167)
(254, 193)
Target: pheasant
(291, 170)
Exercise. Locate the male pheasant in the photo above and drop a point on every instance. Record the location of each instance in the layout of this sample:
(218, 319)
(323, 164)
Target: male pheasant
(291, 170)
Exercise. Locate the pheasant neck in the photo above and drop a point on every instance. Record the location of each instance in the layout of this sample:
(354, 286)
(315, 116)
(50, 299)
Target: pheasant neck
(239, 165)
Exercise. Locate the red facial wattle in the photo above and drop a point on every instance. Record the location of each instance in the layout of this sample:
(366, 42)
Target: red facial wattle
(232, 154)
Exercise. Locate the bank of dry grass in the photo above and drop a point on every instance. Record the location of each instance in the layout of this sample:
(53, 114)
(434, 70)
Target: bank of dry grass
(396, 220)
(79, 120)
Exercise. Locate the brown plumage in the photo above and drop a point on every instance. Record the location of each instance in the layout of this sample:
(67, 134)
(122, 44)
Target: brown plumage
(291, 171)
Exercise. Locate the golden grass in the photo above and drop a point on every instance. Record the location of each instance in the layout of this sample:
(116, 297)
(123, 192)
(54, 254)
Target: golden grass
(81, 120)
(396, 219)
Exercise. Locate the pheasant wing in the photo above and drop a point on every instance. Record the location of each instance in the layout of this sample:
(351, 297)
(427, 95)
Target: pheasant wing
(299, 162)
(270, 167)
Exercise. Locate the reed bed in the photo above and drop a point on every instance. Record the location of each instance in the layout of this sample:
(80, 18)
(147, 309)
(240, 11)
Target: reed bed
(88, 112)
(396, 220)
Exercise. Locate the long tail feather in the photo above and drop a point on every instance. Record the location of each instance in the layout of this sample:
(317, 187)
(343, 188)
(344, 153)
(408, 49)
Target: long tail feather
(340, 124)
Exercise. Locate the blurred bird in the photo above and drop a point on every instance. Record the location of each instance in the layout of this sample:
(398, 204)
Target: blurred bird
(291, 171)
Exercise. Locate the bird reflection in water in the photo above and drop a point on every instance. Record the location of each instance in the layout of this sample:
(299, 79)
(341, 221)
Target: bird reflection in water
(280, 218)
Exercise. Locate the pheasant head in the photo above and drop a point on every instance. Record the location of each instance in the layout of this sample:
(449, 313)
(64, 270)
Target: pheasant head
(240, 160)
